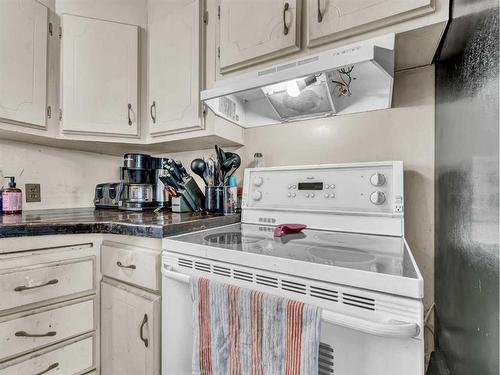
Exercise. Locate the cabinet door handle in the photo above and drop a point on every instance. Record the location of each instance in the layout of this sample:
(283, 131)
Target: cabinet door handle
(152, 112)
(131, 266)
(26, 334)
(320, 15)
(141, 331)
(285, 26)
(51, 367)
(129, 114)
(24, 287)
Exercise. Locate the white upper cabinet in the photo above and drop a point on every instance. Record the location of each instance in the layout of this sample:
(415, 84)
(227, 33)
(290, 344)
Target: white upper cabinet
(175, 66)
(23, 61)
(257, 30)
(99, 78)
(330, 20)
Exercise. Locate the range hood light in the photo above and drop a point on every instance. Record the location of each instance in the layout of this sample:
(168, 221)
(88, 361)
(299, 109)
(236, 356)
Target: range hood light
(295, 87)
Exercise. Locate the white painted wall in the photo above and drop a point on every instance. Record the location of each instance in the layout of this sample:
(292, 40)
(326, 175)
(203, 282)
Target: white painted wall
(67, 177)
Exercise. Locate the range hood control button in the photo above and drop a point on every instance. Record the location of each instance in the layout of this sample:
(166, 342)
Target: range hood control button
(258, 181)
(257, 195)
(377, 197)
(378, 179)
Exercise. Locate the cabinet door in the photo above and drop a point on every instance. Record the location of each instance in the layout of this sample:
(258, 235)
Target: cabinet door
(174, 66)
(130, 330)
(23, 61)
(330, 20)
(258, 30)
(99, 76)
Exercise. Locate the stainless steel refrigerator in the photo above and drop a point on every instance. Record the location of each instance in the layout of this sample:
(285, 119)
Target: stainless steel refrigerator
(467, 192)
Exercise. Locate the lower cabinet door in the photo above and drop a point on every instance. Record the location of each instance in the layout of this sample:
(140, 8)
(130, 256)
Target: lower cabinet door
(130, 330)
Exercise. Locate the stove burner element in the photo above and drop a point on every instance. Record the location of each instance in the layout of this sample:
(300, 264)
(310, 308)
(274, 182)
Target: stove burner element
(228, 238)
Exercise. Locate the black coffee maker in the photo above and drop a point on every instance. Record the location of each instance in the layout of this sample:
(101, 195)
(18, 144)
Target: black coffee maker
(137, 183)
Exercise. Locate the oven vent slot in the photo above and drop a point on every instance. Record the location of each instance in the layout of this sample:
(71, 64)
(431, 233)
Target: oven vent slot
(293, 287)
(186, 263)
(328, 294)
(325, 359)
(204, 267)
(222, 271)
(267, 281)
(358, 301)
(242, 275)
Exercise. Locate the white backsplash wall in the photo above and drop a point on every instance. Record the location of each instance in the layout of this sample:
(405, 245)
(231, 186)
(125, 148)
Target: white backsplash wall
(67, 177)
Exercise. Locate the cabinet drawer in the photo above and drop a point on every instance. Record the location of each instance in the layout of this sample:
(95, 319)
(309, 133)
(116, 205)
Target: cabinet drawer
(38, 328)
(132, 265)
(69, 360)
(29, 285)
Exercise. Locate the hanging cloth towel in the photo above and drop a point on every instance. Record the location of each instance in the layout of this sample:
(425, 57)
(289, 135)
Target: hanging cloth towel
(237, 331)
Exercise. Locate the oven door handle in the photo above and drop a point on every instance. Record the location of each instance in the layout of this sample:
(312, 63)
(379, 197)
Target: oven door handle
(390, 328)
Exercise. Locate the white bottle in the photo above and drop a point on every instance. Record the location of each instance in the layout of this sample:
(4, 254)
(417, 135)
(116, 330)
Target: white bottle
(258, 161)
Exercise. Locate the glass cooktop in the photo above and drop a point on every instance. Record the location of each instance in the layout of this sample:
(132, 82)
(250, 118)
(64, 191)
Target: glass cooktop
(378, 254)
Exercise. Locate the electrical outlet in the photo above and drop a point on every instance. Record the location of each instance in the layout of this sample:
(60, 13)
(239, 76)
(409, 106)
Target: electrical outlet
(32, 193)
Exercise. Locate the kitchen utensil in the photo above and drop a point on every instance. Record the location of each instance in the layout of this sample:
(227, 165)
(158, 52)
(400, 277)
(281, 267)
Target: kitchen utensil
(198, 166)
(174, 170)
(210, 171)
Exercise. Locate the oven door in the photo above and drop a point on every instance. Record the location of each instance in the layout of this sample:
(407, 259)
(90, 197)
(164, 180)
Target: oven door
(349, 344)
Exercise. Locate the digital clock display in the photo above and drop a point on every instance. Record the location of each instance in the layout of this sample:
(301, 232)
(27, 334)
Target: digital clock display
(310, 186)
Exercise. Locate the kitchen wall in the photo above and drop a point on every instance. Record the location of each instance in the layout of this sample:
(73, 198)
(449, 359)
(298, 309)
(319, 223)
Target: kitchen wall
(67, 177)
(405, 132)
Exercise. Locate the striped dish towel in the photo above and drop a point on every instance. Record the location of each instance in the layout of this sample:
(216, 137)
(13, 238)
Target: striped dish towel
(238, 331)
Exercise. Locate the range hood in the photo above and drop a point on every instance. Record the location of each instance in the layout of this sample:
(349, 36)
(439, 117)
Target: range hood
(350, 79)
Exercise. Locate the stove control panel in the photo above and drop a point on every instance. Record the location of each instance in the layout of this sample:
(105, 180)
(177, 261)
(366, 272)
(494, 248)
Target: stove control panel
(355, 188)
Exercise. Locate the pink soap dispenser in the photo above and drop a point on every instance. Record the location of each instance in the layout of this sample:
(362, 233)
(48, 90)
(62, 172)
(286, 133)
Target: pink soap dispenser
(12, 198)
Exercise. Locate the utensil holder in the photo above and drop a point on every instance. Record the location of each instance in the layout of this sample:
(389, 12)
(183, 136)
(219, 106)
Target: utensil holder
(214, 198)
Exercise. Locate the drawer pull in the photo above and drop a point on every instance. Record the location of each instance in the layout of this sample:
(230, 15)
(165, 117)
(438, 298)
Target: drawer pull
(24, 287)
(141, 333)
(26, 334)
(130, 266)
(51, 367)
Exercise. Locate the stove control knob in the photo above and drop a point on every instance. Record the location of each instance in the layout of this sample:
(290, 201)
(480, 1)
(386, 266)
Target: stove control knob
(377, 197)
(258, 181)
(257, 195)
(312, 195)
(377, 179)
(307, 195)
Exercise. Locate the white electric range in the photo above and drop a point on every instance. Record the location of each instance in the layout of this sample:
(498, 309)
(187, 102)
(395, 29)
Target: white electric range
(352, 260)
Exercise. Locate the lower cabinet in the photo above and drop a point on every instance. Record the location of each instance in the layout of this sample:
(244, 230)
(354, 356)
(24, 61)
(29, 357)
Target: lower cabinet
(74, 358)
(130, 330)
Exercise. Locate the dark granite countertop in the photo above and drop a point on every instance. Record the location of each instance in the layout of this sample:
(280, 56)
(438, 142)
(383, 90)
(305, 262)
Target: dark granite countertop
(90, 220)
